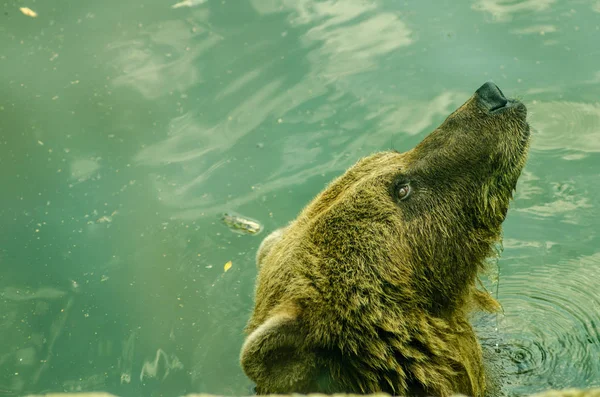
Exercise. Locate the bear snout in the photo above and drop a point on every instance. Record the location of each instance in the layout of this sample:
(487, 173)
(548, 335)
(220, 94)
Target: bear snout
(491, 97)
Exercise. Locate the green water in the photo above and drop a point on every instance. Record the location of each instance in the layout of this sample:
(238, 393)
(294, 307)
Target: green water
(128, 127)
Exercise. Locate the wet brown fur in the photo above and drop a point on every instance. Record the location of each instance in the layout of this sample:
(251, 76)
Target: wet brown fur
(364, 292)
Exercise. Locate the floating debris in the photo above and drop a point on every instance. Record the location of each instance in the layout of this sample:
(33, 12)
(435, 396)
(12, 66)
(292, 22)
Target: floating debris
(241, 224)
(227, 266)
(125, 378)
(28, 11)
(106, 219)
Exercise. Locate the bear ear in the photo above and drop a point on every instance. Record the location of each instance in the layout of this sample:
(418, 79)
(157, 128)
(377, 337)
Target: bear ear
(275, 357)
(266, 245)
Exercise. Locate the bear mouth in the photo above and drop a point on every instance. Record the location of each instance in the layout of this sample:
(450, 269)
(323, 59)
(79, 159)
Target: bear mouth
(525, 131)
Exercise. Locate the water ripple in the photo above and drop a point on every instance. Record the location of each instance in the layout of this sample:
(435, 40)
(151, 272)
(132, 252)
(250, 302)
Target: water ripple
(566, 127)
(551, 325)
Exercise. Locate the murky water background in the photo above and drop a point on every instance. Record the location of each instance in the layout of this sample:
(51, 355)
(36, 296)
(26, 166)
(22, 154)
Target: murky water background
(127, 128)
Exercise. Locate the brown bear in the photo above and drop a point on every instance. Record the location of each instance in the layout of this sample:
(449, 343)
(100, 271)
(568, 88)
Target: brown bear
(369, 289)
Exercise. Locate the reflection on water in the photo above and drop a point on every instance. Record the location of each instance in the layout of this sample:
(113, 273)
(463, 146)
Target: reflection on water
(160, 366)
(18, 294)
(277, 102)
(26, 350)
(536, 29)
(159, 60)
(413, 117)
(130, 133)
(503, 10)
(345, 48)
(83, 169)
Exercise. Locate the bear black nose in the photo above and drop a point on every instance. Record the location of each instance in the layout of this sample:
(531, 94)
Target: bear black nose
(491, 96)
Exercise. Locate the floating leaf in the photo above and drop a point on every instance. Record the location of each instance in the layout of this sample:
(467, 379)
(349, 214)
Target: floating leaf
(28, 11)
(227, 266)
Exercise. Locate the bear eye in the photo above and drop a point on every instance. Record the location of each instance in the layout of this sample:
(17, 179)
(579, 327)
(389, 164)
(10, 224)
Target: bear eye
(404, 191)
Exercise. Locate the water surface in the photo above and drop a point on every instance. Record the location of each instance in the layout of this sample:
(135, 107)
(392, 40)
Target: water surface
(127, 128)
